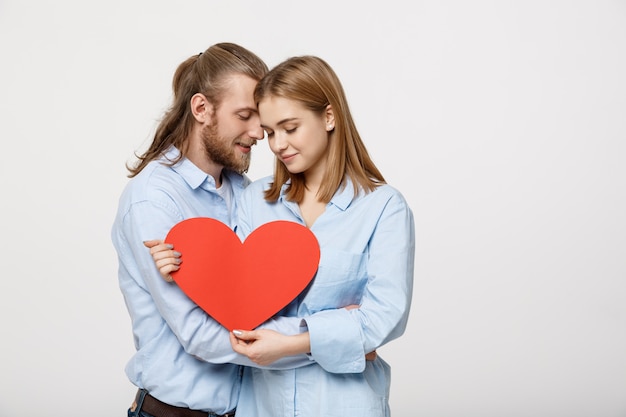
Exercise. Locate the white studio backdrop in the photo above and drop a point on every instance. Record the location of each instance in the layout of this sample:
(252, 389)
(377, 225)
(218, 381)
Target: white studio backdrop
(503, 123)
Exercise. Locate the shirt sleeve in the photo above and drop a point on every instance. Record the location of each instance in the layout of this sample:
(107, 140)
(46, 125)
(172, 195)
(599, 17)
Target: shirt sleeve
(340, 338)
(198, 333)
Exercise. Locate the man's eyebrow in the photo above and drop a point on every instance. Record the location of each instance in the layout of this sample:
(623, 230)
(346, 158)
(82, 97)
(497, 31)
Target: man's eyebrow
(246, 108)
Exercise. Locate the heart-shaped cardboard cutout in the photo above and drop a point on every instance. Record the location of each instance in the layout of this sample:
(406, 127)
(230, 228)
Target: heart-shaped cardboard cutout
(241, 285)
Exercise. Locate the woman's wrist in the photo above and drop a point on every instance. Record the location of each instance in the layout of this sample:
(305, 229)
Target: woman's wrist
(298, 344)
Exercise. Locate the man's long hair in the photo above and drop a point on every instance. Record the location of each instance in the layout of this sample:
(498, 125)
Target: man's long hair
(203, 73)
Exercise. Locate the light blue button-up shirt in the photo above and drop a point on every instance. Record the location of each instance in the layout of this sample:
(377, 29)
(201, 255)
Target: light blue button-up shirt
(367, 244)
(168, 327)
(174, 338)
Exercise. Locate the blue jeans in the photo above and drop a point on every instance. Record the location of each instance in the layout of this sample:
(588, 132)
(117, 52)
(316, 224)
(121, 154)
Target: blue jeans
(138, 412)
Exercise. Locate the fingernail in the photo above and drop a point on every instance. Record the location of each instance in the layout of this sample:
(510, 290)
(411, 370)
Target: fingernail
(237, 332)
(170, 246)
(177, 254)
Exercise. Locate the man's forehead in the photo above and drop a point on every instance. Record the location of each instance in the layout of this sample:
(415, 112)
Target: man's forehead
(239, 93)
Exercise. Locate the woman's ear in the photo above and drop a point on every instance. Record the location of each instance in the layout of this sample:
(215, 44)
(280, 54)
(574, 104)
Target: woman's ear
(201, 108)
(330, 118)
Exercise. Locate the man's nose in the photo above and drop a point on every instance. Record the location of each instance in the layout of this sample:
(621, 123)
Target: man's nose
(255, 130)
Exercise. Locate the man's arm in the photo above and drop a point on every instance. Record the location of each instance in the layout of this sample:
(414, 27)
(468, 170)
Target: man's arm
(199, 334)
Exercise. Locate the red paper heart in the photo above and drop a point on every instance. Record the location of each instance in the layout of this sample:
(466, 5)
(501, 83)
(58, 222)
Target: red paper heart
(241, 285)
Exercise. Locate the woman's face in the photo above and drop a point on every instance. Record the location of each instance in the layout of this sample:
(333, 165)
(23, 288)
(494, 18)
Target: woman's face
(296, 135)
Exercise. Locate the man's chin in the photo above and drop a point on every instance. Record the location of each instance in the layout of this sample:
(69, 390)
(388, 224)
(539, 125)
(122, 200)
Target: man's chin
(240, 168)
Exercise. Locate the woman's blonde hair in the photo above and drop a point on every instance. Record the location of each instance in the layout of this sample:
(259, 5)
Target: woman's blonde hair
(312, 82)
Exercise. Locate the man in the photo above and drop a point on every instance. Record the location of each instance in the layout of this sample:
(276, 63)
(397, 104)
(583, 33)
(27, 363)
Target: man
(194, 167)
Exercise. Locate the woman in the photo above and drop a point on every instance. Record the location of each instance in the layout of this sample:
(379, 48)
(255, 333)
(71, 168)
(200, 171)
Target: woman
(325, 179)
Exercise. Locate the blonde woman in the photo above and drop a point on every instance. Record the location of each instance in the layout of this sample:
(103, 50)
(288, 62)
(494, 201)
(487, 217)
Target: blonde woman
(324, 179)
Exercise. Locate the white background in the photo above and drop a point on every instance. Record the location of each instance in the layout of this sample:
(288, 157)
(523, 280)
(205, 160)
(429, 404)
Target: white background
(503, 123)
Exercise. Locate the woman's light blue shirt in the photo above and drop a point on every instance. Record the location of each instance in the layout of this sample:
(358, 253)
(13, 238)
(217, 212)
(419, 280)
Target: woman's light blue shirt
(367, 244)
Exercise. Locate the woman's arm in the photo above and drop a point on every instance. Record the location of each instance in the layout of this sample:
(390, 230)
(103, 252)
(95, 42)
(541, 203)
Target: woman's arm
(264, 346)
(339, 338)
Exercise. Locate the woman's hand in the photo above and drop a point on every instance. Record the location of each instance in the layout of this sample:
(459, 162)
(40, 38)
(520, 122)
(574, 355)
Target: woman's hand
(166, 259)
(265, 346)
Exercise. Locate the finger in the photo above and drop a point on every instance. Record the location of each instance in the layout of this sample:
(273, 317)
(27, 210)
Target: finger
(168, 265)
(151, 243)
(238, 346)
(161, 247)
(168, 262)
(171, 255)
(244, 335)
(166, 272)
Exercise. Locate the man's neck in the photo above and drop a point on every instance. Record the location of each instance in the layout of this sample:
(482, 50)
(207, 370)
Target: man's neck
(198, 157)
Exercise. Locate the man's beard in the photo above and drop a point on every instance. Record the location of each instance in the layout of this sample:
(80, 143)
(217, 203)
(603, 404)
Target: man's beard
(223, 152)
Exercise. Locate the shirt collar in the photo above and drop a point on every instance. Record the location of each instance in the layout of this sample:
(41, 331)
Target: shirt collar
(342, 199)
(194, 176)
(344, 196)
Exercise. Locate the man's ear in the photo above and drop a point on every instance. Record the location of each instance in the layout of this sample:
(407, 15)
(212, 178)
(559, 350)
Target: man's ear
(201, 108)
(330, 118)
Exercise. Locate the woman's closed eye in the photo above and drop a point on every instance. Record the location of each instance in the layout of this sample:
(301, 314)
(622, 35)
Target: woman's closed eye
(270, 133)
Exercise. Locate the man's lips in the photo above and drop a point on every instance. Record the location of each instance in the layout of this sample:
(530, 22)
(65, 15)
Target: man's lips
(245, 148)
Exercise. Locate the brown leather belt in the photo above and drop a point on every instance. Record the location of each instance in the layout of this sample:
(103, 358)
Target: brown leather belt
(160, 409)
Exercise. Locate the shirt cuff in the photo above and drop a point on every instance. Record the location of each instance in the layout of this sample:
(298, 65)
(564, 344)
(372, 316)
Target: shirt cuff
(336, 341)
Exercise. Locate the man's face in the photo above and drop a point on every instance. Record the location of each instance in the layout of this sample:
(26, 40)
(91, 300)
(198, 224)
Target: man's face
(236, 127)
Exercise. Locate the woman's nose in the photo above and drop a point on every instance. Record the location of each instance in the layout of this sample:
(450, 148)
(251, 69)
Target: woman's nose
(280, 141)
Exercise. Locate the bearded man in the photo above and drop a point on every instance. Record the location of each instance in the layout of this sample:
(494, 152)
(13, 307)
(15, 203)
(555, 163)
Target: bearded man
(195, 167)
